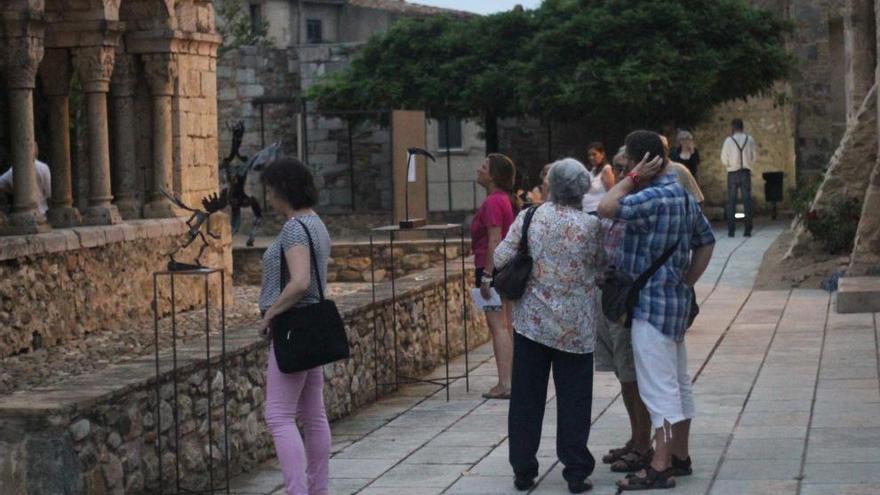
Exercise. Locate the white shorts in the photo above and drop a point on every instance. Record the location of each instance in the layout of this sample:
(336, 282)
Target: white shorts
(661, 370)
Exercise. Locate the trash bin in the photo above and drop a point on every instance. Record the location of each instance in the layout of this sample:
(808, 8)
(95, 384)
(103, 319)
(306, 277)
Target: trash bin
(773, 189)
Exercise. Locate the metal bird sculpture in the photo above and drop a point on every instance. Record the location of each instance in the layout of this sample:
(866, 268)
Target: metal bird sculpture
(211, 204)
(411, 153)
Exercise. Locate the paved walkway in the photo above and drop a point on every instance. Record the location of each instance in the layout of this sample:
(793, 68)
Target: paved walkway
(787, 393)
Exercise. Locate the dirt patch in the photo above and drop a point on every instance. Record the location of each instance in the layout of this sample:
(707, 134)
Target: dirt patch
(806, 271)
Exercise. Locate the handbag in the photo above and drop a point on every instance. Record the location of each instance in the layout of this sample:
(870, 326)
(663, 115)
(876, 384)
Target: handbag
(620, 293)
(308, 336)
(512, 278)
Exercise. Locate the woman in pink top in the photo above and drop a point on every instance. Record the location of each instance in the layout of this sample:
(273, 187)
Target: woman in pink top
(497, 174)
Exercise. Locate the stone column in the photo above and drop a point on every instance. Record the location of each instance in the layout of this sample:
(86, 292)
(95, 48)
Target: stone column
(860, 41)
(94, 65)
(21, 57)
(122, 92)
(55, 74)
(161, 72)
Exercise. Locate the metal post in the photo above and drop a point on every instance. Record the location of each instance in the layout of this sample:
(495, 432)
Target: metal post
(174, 382)
(464, 312)
(375, 325)
(350, 164)
(223, 370)
(158, 382)
(446, 308)
(448, 166)
(208, 379)
(305, 132)
(394, 312)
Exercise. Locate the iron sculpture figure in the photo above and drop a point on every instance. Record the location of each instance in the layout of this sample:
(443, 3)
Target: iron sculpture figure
(211, 204)
(236, 178)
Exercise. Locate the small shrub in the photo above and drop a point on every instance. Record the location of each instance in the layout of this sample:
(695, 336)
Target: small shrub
(835, 227)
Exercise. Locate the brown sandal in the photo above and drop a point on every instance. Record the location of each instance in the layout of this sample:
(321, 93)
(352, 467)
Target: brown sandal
(653, 480)
(615, 454)
(632, 461)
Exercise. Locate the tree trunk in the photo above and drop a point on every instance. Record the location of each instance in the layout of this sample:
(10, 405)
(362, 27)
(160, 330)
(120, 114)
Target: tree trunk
(491, 126)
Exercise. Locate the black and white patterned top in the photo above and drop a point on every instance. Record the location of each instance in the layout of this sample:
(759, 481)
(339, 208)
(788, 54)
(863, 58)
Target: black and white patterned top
(292, 234)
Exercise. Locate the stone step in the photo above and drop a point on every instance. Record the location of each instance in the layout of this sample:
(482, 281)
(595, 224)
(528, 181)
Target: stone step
(858, 295)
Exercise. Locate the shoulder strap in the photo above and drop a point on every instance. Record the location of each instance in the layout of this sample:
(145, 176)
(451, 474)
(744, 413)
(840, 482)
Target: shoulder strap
(524, 239)
(741, 149)
(647, 274)
(313, 257)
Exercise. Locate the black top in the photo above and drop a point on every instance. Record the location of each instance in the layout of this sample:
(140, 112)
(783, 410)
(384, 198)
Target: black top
(692, 163)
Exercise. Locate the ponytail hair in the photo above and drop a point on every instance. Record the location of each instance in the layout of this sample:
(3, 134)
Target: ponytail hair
(503, 173)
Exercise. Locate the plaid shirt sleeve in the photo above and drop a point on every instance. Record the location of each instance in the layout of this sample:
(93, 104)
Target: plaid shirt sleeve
(703, 235)
(638, 213)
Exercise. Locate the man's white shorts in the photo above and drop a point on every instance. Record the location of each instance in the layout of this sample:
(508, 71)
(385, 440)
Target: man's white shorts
(661, 370)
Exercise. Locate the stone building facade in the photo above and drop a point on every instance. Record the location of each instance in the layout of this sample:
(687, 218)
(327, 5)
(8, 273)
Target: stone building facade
(350, 153)
(853, 171)
(142, 75)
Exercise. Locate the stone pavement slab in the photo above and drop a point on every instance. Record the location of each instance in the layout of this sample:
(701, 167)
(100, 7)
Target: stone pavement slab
(787, 393)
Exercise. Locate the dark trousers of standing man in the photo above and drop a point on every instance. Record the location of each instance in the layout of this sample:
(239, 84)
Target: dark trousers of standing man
(573, 376)
(740, 180)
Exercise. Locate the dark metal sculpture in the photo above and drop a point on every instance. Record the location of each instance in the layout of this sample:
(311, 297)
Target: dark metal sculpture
(411, 154)
(211, 204)
(236, 178)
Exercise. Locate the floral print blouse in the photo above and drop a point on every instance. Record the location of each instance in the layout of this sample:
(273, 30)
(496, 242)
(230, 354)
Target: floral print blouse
(559, 308)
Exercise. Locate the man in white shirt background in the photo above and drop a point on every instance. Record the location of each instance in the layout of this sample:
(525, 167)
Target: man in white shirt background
(44, 182)
(738, 154)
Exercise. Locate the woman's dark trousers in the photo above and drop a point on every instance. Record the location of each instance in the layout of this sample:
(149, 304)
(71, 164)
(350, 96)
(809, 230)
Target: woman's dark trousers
(573, 376)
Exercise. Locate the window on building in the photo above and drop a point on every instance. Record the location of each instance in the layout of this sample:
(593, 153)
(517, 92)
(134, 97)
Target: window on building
(314, 31)
(451, 139)
(256, 18)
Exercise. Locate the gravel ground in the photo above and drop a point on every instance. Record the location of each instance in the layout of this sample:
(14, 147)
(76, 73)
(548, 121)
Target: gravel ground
(95, 351)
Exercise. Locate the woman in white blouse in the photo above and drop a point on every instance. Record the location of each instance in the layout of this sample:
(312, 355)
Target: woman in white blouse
(554, 324)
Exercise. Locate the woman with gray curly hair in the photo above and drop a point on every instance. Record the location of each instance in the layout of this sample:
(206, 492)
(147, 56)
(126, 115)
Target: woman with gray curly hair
(554, 326)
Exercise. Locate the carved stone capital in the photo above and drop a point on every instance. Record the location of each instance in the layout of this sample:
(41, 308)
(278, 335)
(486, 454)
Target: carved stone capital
(124, 81)
(21, 58)
(161, 72)
(55, 72)
(94, 66)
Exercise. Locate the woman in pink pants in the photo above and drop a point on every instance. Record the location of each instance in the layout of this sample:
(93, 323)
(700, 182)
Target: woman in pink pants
(295, 397)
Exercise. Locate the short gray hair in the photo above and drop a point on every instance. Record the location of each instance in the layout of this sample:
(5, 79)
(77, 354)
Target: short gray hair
(569, 181)
(684, 134)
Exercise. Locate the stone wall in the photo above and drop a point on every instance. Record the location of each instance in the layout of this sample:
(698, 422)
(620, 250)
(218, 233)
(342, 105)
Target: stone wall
(771, 121)
(96, 434)
(350, 261)
(65, 283)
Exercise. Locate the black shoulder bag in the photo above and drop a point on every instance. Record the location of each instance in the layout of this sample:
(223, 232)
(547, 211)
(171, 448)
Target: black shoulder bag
(308, 336)
(620, 293)
(512, 278)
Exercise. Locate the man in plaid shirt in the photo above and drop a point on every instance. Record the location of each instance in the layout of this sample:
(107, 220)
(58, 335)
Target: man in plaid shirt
(658, 215)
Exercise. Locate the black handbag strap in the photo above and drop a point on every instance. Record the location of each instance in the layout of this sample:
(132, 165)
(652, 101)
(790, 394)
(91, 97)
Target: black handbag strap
(313, 257)
(647, 274)
(524, 239)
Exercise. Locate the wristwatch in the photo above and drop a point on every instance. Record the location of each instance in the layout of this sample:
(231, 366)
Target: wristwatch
(635, 177)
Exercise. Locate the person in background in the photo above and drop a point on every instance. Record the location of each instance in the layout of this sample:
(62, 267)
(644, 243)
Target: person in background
(686, 152)
(614, 353)
(497, 174)
(540, 193)
(659, 214)
(739, 153)
(44, 182)
(683, 175)
(601, 176)
(295, 397)
(555, 321)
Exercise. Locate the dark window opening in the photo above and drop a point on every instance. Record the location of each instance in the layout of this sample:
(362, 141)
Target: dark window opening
(314, 31)
(452, 139)
(256, 18)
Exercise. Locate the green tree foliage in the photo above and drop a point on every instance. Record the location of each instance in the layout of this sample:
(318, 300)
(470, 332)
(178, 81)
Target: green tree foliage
(236, 27)
(628, 63)
(637, 63)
